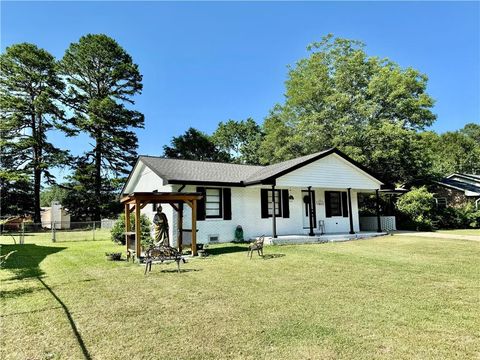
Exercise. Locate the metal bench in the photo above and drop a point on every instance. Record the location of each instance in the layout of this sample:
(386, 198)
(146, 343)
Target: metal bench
(162, 253)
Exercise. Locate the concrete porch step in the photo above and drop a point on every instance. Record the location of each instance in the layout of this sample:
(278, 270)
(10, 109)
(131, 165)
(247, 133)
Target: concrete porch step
(305, 239)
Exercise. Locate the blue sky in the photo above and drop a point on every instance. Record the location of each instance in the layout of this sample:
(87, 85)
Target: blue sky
(208, 62)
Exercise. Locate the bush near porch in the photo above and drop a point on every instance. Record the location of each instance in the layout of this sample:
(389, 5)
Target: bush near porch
(394, 297)
(417, 210)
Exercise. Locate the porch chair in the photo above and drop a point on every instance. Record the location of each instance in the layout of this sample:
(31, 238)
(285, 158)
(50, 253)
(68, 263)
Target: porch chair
(257, 245)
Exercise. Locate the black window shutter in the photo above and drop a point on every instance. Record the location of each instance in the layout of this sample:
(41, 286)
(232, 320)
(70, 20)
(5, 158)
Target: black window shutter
(264, 202)
(201, 204)
(328, 210)
(285, 204)
(344, 204)
(227, 204)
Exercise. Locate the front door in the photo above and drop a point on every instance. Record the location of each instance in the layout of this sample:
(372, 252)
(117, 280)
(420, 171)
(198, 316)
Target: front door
(306, 209)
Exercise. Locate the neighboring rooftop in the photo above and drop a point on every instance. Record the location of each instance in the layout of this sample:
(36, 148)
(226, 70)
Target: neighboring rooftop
(464, 182)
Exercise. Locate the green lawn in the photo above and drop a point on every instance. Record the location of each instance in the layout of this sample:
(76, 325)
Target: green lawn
(60, 235)
(395, 297)
(461, 232)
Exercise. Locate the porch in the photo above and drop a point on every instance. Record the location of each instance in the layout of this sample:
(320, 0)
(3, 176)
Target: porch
(324, 238)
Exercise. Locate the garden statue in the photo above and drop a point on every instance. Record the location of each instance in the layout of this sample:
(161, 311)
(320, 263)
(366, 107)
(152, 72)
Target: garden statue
(161, 228)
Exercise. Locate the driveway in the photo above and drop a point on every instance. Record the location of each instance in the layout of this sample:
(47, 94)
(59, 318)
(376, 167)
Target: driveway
(432, 234)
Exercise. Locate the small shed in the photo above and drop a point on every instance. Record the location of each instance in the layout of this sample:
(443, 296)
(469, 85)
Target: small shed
(138, 200)
(56, 215)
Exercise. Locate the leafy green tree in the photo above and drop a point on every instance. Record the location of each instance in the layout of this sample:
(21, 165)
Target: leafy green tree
(396, 154)
(279, 142)
(29, 89)
(418, 205)
(81, 197)
(51, 194)
(241, 139)
(101, 81)
(472, 131)
(118, 230)
(338, 96)
(16, 189)
(195, 145)
(454, 151)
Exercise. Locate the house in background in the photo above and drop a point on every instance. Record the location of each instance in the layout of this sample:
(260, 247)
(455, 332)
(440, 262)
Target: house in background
(57, 215)
(308, 195)
(457, 189)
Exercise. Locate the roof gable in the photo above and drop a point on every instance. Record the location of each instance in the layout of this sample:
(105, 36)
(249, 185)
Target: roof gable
(330, 171)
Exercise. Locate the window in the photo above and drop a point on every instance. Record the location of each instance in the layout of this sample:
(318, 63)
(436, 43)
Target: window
(281, 203)
(441, 202)
(278, 211)
(213, 203)
(336, 203)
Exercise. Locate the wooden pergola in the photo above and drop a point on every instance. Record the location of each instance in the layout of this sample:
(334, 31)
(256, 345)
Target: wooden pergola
(138, 200)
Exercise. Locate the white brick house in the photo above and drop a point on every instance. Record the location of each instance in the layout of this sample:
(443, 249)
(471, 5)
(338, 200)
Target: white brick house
(313, 193)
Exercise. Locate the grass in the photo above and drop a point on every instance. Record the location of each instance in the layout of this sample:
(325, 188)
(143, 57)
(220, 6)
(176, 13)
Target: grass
(395, 297)
(461, 232)
(60, 235)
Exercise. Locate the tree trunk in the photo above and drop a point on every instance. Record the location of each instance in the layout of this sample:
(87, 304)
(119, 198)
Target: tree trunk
(98, 178)
(37, 172)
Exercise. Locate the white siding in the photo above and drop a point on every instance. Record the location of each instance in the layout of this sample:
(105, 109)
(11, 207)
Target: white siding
(246, 211)
(331, 171)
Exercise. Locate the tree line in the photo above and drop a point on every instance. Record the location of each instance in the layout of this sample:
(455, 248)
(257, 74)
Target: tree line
(371, 108)
(87, 91)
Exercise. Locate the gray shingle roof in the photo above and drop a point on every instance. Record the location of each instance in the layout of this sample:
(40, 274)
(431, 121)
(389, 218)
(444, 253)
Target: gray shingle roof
(191, 170)
(184, 171)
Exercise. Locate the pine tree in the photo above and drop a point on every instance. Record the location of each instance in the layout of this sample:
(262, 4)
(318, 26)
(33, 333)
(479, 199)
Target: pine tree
(101, 80)
(29, 89)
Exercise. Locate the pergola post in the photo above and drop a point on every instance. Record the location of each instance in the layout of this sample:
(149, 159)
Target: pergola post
(127, 225)
(180, 226)
(138, 200)
(194, 227)
(138, 230)
(350, 215)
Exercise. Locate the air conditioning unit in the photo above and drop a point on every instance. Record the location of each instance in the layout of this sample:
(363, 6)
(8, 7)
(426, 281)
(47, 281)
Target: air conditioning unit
(213, 238)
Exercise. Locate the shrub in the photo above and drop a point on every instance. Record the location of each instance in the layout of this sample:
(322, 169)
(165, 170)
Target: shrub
(459, 217)
(118, 229)
(417, 207)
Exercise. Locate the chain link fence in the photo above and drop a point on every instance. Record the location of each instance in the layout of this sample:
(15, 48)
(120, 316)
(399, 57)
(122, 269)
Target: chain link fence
(55, 231)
